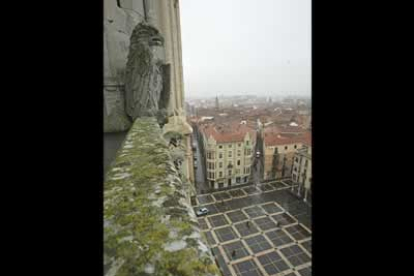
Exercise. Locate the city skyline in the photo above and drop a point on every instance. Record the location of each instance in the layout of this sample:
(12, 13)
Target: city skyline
(243, 48)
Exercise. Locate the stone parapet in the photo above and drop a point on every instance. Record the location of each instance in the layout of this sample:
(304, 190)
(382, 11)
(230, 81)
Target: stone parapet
(149, 225)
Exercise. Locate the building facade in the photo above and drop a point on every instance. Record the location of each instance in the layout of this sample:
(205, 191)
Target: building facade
(120, 19)
(279, 148)
(302, 172)
(229, 153)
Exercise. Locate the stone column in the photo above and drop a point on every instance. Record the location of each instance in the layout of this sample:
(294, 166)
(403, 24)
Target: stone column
(170, 28)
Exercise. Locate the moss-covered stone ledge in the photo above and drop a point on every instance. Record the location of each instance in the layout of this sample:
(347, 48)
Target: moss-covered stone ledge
(149, 225)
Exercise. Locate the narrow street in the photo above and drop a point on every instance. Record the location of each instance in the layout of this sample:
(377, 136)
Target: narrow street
(198, 166)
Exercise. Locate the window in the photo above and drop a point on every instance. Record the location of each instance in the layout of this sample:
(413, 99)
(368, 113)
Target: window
(229, 153)
(239, 153)
(220, 155)
(239, 144)
(296, 159)
(230, 146)
(295, 146)
(286, 147)
(220, 174)
(237, 171)
(229, 172)
(276, 150)
(238, 162)
(247, 143)
(118, 2)
(221, 165)
(220, 146)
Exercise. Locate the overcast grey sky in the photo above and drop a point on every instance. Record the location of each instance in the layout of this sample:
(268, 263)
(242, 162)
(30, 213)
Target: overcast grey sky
(260, 47)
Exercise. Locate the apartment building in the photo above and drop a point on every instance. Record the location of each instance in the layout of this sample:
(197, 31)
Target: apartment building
(302, 172)
(279, 149)
(229, 153)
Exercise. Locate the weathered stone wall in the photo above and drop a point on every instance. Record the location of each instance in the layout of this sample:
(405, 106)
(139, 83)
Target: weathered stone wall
(119, 23)
(149, 225)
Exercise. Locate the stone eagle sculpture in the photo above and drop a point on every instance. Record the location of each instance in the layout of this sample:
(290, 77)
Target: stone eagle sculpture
(147, 78)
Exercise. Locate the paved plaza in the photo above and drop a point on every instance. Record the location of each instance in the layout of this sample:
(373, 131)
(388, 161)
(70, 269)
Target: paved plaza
(258, 230)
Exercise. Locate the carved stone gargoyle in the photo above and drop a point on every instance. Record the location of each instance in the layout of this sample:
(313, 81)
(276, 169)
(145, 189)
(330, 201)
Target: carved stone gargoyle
(147, 77)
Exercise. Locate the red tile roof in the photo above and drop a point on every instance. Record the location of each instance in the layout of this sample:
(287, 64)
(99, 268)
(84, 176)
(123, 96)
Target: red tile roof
(274, 139)
(228, 133)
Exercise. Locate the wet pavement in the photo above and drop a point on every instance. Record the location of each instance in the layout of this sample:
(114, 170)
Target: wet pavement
(200, 179)
(258, 230)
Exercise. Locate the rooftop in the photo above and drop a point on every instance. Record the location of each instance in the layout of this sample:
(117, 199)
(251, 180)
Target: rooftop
(275, 139)
(229, 132)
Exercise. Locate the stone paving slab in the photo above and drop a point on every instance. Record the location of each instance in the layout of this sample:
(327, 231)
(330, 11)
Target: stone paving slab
(247, 268)
(245, 228)
(217, 220)
(221, 263)
(298, 232)
(254, 211)
(273, 263)
(225, 234)
(288, 182)
(202, 223)
(210, 238)
(295, 255)
(266, 187)
(251, 190)
(283, 219)
(235, 250)
(258, 244)
(236, 216)
(205, 199)
(278, 237)
(278, 185)
(307, 271)
(261, 233)
(237, 193)
(221, 196)
(265, 223)
(307, 245)
(271, 208)
(282, 197)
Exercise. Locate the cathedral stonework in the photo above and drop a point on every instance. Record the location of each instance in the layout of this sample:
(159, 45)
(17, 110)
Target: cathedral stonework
(146, 77)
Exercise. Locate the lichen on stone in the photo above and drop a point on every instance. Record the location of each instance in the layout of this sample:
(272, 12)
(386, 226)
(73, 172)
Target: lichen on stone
(149, 225)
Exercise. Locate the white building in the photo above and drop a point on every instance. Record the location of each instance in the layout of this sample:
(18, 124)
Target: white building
(302, 172)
